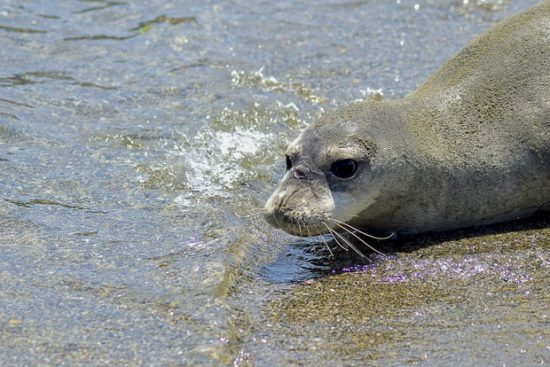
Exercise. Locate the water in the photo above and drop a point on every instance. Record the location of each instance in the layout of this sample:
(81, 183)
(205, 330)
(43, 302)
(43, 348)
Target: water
(138, 144)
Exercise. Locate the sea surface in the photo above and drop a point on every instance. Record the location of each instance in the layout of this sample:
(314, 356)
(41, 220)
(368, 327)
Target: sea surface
(138, 143)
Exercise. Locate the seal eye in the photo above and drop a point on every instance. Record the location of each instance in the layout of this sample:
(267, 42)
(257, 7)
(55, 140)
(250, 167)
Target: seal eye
(288, 163)
(344, 168)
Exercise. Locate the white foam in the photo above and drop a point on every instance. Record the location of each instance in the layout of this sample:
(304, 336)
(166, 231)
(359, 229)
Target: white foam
(212, 162)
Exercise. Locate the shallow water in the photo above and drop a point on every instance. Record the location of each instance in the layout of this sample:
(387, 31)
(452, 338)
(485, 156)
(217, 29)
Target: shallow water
(138, 144)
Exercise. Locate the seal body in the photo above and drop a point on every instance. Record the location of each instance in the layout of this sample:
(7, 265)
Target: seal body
(470, 146)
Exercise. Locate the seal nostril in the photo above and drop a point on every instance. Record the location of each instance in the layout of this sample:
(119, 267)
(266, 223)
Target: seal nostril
(299, 174)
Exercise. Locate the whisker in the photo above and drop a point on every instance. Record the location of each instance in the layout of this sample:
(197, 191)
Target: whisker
(328, 248)
(334, 237)
(351, 245)
(326, 244)
(299, 226)
(309, 236)
(363, 233)
(360, 239)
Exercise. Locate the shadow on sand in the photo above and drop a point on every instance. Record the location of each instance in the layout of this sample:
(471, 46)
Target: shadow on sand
(309, 259)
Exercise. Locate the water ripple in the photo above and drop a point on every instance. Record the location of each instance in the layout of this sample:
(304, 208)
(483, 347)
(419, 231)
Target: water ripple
(106, 5)
(20, 29)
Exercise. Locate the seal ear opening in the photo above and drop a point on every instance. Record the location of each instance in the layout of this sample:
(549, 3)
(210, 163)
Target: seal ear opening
(344, 168)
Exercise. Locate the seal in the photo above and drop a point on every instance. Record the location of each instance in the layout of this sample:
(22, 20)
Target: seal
(470, 146)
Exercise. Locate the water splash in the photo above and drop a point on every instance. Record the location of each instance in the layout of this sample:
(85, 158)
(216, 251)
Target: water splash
(257, 79)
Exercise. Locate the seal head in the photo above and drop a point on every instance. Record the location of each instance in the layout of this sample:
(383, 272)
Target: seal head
(336, 169)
